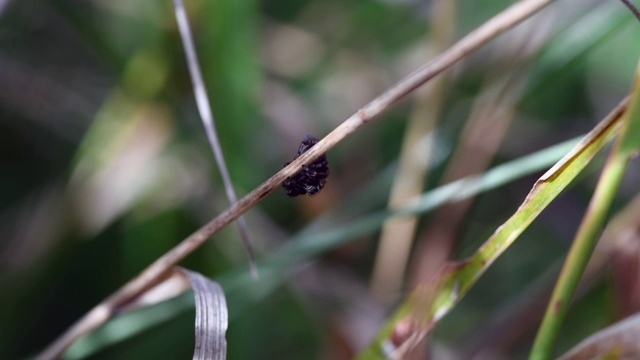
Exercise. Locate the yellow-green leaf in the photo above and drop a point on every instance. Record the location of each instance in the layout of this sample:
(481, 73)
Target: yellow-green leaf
(429, 302)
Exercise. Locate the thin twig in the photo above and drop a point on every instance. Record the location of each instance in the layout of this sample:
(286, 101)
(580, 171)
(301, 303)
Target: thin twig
(633, 8)
(154, 272)
(202, 100)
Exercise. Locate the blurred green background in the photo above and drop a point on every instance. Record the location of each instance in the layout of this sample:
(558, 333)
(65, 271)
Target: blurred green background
(105, 165)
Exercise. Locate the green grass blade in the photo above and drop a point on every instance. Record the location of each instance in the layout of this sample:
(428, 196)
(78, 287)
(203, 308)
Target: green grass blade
(590, 229)
(428, 303)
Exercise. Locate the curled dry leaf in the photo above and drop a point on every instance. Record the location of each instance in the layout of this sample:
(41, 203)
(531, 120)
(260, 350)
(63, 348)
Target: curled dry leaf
(618, 341)
(211, 317)
(211, 309)
(211, 314)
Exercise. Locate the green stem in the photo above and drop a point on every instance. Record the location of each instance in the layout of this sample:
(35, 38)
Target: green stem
(579, 254)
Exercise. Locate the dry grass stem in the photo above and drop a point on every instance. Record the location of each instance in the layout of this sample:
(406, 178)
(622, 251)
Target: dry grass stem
(397, 234)
(206, 113)
(155, 272)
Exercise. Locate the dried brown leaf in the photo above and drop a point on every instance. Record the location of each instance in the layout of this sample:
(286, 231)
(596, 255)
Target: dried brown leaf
(618, 341)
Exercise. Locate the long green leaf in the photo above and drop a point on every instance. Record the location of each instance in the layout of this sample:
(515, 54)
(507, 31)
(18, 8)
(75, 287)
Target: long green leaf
(589, 231)
(429, 302)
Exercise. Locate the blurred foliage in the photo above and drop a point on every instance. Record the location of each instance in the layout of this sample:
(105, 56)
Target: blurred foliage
(105, 165)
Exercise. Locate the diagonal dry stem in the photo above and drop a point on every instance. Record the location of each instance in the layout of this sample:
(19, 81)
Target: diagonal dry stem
(154, 272)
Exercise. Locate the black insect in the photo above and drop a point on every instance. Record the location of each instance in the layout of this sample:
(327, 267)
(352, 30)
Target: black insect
(312, 177)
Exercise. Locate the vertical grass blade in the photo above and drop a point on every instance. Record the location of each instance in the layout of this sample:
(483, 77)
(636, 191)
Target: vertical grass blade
(589, 230)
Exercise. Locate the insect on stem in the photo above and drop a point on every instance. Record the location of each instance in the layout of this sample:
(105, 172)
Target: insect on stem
(312, 177)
